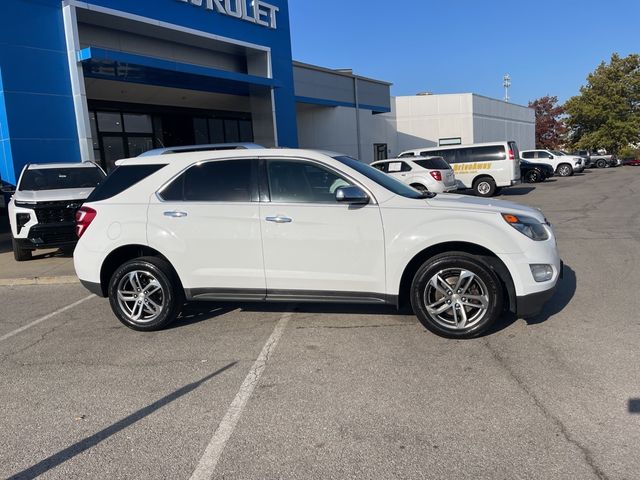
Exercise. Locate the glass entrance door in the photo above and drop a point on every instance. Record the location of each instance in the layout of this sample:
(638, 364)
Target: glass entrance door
(379, 151)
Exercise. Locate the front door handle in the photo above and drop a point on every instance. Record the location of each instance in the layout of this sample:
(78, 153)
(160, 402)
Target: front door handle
(175, 214)
(279, 219)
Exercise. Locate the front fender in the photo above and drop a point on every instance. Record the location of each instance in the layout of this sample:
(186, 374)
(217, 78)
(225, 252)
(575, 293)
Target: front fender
(405, 238)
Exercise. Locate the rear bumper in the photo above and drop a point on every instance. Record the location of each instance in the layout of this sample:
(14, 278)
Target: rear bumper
(93, 287)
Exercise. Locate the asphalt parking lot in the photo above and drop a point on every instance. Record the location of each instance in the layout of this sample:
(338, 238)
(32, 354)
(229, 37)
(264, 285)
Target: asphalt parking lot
(304, 391)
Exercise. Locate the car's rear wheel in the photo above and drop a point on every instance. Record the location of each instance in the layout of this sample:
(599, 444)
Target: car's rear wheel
(20, 254)
(456, 295)
(532, 176)
(419, 187)
(484, 187)
(145, 294)
(565, 170)
(601, 163)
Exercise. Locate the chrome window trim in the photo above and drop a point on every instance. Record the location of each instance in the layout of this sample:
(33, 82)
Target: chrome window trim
(158, 192)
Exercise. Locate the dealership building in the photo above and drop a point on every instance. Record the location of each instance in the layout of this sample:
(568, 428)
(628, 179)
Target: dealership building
(109, 79)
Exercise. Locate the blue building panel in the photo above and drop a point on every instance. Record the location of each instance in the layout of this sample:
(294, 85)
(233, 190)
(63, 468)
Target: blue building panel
(37, 116)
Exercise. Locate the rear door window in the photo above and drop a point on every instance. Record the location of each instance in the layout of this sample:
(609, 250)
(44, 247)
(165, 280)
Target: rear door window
(527, 154)
(450, 155)
(218, 181)
(486, 154)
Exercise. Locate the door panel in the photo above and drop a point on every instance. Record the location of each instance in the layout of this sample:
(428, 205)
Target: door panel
(207, 222)
(215, 245)
(323, 247)
(313, 243)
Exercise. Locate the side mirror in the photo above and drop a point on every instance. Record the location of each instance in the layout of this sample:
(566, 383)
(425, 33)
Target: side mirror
(352, 195)
(8, 189)
(550, 157)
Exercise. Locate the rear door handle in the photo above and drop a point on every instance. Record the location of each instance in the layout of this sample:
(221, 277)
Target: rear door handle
(279, 219)
(175, 214)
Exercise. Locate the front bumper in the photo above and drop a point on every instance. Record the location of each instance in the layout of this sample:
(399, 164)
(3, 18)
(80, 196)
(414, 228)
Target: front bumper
(531, 305)
(49, 236)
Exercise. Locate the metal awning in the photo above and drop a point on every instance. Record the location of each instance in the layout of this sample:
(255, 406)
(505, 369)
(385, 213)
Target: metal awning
(129, 67)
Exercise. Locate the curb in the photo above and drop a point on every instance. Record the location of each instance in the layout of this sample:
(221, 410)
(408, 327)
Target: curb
(60, 280)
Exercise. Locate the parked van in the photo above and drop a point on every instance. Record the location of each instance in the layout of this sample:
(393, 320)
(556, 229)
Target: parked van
(484, 167)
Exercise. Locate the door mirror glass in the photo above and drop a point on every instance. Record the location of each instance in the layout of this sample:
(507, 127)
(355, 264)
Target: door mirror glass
(352, 194)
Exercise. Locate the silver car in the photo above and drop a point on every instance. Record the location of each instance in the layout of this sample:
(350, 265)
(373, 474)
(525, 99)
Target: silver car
(425, 174)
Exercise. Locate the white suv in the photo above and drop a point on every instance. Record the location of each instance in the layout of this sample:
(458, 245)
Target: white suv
(42, 209)
(563, 164)
(297, 225)
(425, 174)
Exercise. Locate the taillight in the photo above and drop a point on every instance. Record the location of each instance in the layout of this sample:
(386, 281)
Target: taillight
(84, 217)
(436, 175)
(511, 155)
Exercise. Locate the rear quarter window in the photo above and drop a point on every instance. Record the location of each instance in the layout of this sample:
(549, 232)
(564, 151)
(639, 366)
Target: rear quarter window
(433, 163)
(120, 179)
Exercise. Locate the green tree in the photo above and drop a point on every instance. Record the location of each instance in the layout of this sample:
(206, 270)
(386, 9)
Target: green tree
(550, 127)
(606, 114)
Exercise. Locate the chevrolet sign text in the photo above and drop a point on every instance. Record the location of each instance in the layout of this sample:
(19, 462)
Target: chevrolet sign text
(254, 11)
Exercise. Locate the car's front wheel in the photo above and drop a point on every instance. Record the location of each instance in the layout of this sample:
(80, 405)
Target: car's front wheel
(565, 170)
(145, 294)
(601, 163)
(456, 295)
(20, 254)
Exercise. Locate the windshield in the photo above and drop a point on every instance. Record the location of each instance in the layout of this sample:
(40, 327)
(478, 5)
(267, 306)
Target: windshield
(61, 178)
(382, 179)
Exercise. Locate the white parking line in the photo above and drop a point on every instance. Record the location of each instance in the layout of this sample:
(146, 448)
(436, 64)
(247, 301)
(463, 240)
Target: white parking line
(46, 317)
(207, 464)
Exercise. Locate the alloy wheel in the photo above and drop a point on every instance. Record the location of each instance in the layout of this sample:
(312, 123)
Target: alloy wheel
(141, 298)
(456, 298)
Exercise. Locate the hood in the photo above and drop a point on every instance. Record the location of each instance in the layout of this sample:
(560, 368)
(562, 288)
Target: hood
(484, 205)
(52, 195)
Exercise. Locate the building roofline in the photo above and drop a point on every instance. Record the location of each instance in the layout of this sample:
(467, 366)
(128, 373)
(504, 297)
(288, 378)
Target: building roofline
(464, 93)
(338, 72)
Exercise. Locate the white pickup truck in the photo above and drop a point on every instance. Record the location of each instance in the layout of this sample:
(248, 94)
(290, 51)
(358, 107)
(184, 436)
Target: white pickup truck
(564, 165)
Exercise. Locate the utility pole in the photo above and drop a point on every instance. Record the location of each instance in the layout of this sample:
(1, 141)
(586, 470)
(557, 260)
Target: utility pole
(506, 82)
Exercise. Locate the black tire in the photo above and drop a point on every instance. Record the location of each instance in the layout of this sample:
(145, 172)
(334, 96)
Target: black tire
(485, 284)
(20, 254)
(68, 250)
(484, 187)
(420, 188)
(565, 170)
(170, 298)
(601, 163)
(533, 176)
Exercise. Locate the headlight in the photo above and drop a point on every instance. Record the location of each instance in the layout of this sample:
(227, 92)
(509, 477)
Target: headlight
(528, 226)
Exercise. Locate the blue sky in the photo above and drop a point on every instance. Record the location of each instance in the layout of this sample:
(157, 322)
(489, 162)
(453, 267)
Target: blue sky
(548, 47)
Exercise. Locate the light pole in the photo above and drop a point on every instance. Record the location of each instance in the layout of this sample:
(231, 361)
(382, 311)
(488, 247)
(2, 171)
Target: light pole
(506, 82)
